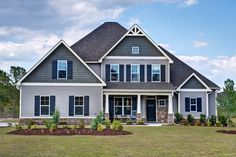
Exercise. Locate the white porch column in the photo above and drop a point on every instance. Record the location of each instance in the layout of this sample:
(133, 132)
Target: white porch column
(170, 109)
(107, 106)
(207, 105)
(139, 115)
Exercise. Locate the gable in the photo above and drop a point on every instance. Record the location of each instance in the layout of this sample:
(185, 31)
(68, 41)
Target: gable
(146, 48)
(193, 83)
(43, 72)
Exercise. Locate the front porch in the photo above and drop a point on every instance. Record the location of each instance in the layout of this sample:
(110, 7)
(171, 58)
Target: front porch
(150, 107)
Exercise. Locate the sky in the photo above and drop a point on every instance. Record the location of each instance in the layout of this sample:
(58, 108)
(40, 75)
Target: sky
(200, 32)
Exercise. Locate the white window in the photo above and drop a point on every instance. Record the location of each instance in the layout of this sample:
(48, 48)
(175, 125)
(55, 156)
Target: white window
(62, 69)
(114, 72)
(193, 104)
(44, 105)
(156, 73)
(79, 105)
(162, 102)
(135, 50)
(135, 72)
(123, 106)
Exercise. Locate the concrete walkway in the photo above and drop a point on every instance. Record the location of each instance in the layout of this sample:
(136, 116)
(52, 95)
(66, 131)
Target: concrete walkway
(4, 124)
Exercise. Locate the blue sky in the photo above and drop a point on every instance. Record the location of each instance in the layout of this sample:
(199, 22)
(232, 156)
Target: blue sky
(200, 32)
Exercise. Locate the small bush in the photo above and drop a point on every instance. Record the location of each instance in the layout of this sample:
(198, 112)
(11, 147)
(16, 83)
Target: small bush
(99, 128)
(202, 118)
(198, 123)
(94, 124)
(48, 123)
(117, 125)
(140, 122)
(178, 118)
(190, 119)
(98, 120)
(129, 122)
(107, 124)
(18, 126)
(56, 117)
(184, 122)
(223, 120)
(53, 127)
(81, 123)
(212, 120)
(30, 123)
(218, 124)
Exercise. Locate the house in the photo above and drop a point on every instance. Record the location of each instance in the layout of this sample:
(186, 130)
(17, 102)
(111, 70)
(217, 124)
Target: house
(121, 72)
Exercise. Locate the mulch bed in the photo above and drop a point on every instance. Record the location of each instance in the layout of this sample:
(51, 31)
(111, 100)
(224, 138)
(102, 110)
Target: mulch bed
(63, 131)
(227, 131)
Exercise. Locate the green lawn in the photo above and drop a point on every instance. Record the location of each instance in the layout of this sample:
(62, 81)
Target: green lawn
(145, 141)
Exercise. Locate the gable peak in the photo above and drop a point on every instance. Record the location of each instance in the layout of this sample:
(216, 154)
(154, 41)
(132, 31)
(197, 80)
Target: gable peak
(135, 30)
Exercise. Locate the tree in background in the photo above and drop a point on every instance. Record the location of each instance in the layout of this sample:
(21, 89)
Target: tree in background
(17, 73)
(227, 101)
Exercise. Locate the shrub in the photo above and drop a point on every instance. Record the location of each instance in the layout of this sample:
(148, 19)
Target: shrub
(129, 122)
(53, 127)
(208, 123)
(198, 123)
(212, 120)
(178, 118)
(94, 124)
(190, 119)
(140, 122)
(107, 124)
(48, 123)
(184, 122)
(81, 123)
(98, 120)
(117, 125)
(99, 128)
(218, 124)
(74, 126)
(30, 123)
(202, 118)
(18, 126)
(223, 120)
(56, 117)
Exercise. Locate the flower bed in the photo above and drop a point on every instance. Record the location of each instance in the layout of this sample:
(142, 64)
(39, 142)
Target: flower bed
(66, 131)
(227, 131)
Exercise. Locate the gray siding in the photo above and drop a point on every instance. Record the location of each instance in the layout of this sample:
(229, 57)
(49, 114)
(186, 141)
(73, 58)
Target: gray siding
(212, 103)
(193, 83)
(138, 61)
(183, 95)
(124, 48)
(96, 67)
(62, 98)
(43, 73)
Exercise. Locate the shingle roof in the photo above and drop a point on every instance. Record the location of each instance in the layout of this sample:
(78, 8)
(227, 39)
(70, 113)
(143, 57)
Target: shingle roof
(93, 46)
(139, 85)
(180, 71)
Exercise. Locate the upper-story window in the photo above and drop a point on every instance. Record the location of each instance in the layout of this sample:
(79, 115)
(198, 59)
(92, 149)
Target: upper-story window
(114, 72)
(135, 72)
(62, 69)
(156, 72)
(135, 50)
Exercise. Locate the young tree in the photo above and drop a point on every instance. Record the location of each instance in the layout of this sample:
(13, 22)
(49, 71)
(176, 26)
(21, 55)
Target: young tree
(227, 101)
(17, 73)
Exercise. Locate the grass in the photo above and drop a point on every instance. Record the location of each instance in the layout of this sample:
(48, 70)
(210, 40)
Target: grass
(144, 142)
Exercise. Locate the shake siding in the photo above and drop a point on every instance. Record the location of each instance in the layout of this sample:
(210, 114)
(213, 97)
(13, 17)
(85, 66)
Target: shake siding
(193, 83)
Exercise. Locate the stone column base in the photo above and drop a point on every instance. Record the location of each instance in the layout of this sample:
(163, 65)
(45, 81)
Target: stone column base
(106, 116)
(170, 118)
(138, 116)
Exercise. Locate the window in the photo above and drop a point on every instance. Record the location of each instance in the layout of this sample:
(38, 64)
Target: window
(62, 69)
(114, 72)
(135, 72)
(135, 50)
(162, 102)
(156, 72)
(79, 105)
(193, 104)
(44, 105)
(123, 106)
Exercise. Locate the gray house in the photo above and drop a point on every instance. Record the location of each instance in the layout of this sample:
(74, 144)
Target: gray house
(121, 72)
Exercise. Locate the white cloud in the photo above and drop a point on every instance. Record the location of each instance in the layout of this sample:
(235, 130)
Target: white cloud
(190, 2)
(133, 21)
(199, 44)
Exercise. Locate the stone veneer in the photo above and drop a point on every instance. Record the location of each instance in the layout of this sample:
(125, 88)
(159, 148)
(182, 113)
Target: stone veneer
(162, 112)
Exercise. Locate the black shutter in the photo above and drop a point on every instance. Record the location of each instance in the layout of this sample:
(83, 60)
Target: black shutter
(54, 69)
(111, 107)
(86, 105)
(187, 104)
(199, 104)
(149, 72)
(134, 106)
(107, 72)
(128, 72)
(36, 105)
(52, 104)
(141, 73)
(163, 73)
(121, 73)
(69, 69)
(71, 105)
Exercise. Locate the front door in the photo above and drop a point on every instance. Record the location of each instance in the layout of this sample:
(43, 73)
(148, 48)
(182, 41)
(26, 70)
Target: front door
(151, 110)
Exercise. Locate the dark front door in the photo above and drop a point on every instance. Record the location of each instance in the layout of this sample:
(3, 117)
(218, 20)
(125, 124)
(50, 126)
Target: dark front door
(151, 110)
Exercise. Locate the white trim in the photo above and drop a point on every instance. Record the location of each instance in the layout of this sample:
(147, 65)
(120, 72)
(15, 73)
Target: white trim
(78, 105)
(118, 79)
(193, 90)
(43, 117)
(207, 104)
(135, 57)
(58, 61)
(216, 103)
(134, 90)
(139, 93)
(92, 62)
(159, 72)
(138, 72)
(135, 48)
(106, 103)
(179, 102)
(139, 110)
(50, 51)
(122, 106)
(135, 26)
(20, 101)
(193, 74)
(60, 84)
